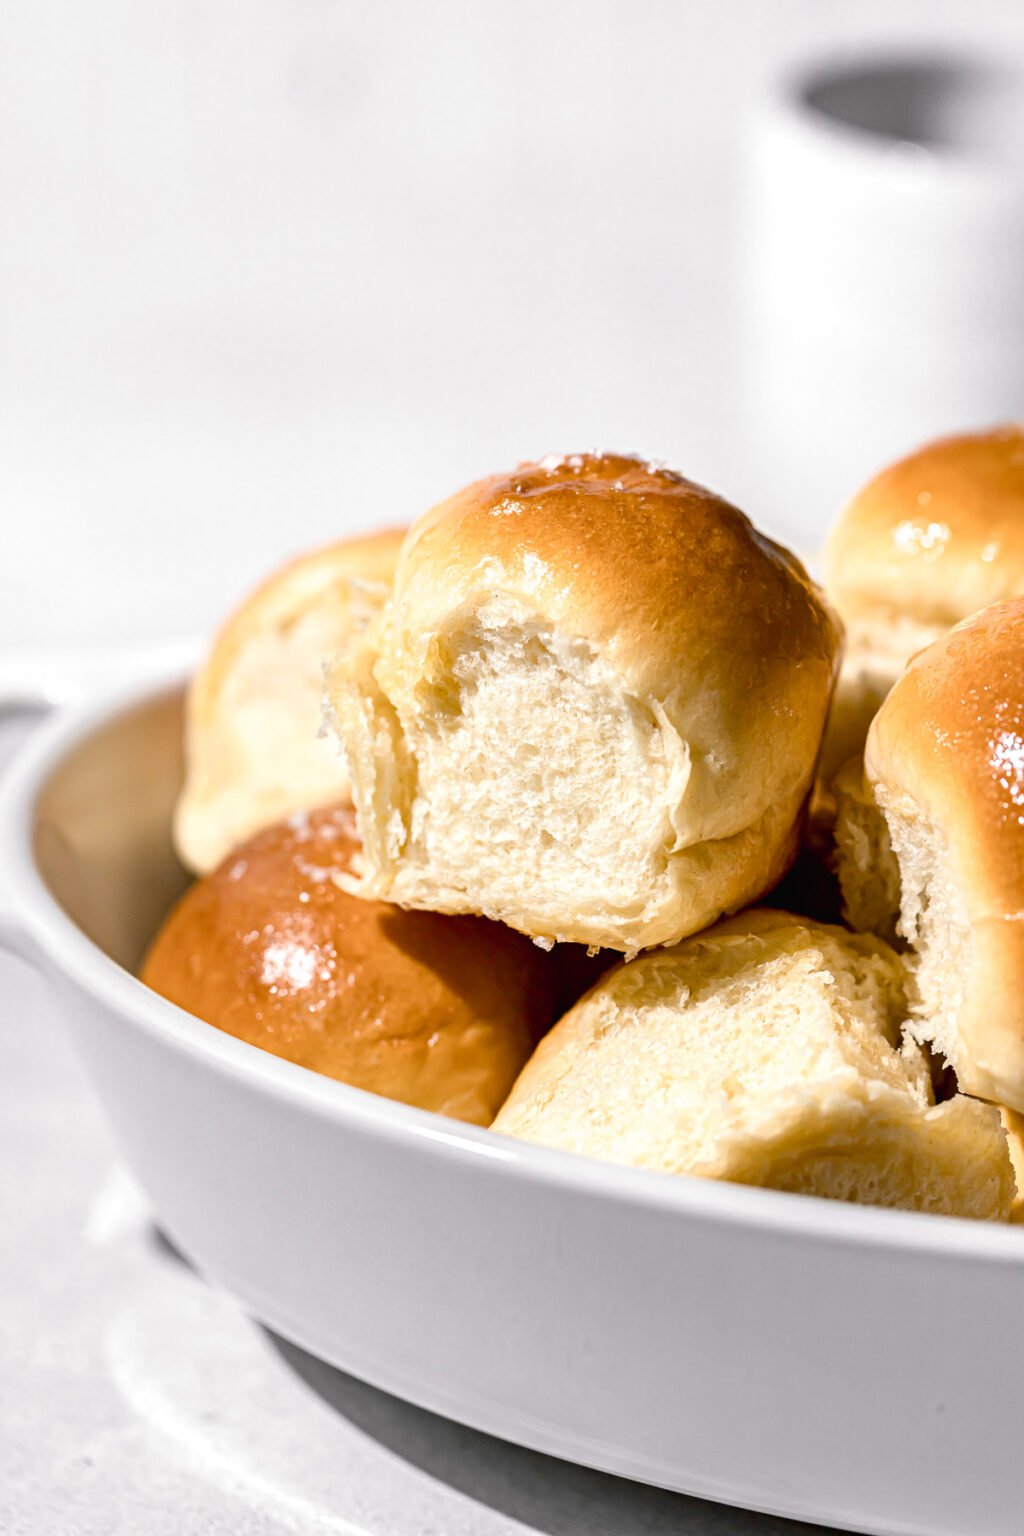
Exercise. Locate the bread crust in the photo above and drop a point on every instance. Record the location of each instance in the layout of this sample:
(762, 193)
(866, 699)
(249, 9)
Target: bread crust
(933, 537)
(238, 778)
(717, 634)
(946, 752)
(283, 596)
(439, 1012)
(661, 575)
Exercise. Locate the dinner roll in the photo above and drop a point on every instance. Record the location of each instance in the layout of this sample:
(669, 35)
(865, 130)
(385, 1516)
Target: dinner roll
(592, 708)
(925, 544)
(765, 1051)
(436, 1011)
(934, 834)
(253, 747)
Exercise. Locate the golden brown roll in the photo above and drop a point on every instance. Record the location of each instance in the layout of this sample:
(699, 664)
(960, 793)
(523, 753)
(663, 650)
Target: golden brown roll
(933, 835)
(436, 1011)
(591, 710)
(254, 748)
(926, 543)
(765, 1051)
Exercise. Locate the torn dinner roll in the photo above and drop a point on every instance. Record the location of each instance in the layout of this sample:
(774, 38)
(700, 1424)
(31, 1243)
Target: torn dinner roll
(765, 1051)
(930, 840)
(592, 708)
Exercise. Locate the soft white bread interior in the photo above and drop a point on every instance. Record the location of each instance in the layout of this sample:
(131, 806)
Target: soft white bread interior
(869, 876)
(933, 837)
(1013, 1125)
(926, 543)
(592, 708)
(254, 749)
(765, 1051)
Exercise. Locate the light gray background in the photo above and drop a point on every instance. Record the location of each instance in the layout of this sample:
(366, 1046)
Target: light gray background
(275, 270)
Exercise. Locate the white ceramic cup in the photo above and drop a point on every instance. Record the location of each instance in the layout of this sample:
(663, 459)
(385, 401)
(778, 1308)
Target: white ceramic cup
(881, 269)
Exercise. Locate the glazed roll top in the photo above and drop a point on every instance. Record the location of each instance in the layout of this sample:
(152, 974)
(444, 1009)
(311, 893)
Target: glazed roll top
(439, 1012)
(592, 708)
(936, 829)
(926, 543)
(934, 537)
(254, 748)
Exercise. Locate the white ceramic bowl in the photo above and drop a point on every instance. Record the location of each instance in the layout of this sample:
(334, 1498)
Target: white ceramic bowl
(857, 1367)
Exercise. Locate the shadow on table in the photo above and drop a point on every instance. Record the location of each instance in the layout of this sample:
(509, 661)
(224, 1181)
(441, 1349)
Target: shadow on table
(545, 1495)
(554, 1497)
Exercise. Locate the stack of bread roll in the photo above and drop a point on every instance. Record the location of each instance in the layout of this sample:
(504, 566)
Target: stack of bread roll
(491, 817)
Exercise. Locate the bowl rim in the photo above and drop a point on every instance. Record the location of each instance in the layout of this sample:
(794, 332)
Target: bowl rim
(27, 907)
